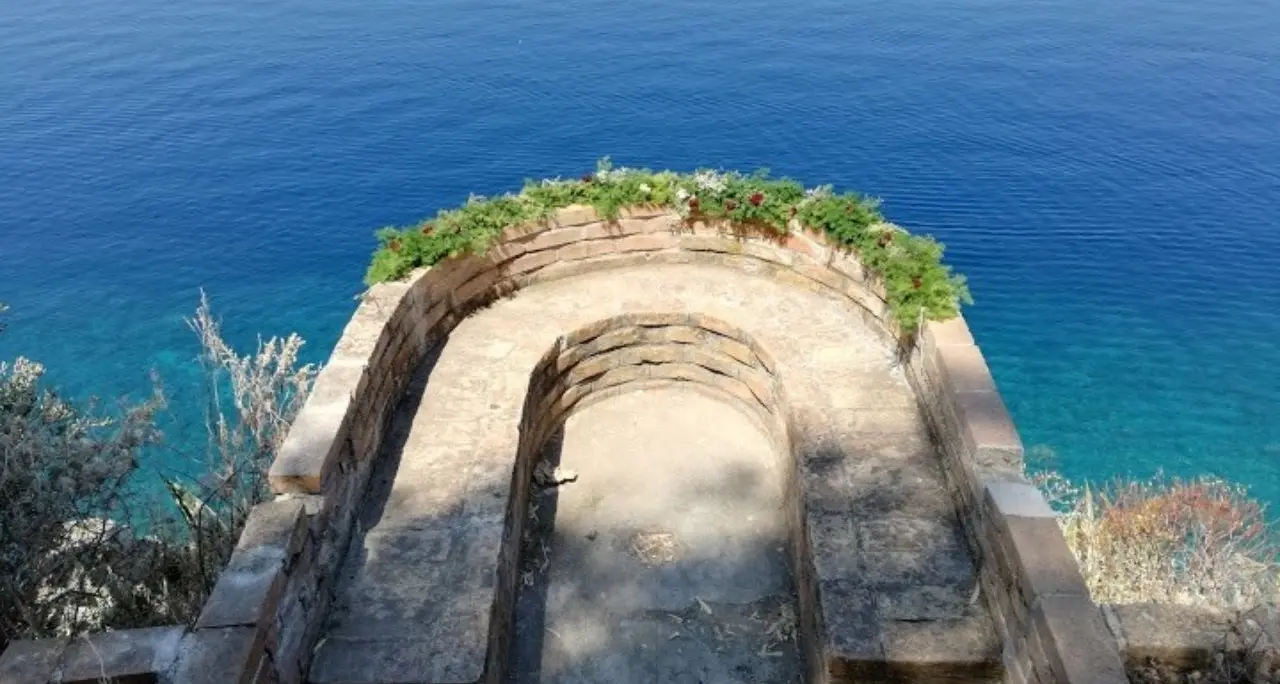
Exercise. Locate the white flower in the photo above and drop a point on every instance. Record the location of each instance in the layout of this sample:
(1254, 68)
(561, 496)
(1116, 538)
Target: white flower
(710, 181)
(818, 192)
(682, 195)
(644, 187)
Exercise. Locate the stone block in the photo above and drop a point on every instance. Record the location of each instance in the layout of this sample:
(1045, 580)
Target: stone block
(833, 545)
(901, 533)
(942, 566)
(575, 215)
(965, 368)
(645, 211)
(1184, 638)
(249, 588)
(653, 354)
(949, 332)
(396, 659)
(522, 230)
(227, 655)
(644, 225)
(532, 261)
(709, 360)
(1037, 552)
(823, 275)
(130, 656)
(1077, 645)
(30, 662)
(848, 265)
(361, 336)
(339, 382)
(768, 251)
(917, 603)
(651, 242)
(707, 243)
(310, 450)
(550, 240)
(655, 319)
(475, 290)
(585, 250)
(614, 339)
(734, 349)
(851, 631)
(960, 650)
(1022, 499)
(247, 591)
(988, 431)
(618, 376)
(804, 244)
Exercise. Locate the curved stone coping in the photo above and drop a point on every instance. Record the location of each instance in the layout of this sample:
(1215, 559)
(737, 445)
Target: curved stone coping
(638, 350)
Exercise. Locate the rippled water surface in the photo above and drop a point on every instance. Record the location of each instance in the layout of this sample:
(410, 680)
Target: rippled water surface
(1106, 173)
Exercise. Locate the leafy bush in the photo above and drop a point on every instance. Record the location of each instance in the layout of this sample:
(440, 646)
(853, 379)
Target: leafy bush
(78, 550)
(917, 283)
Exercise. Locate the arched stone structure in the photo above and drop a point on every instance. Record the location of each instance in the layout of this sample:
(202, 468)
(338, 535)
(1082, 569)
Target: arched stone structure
(268, 612)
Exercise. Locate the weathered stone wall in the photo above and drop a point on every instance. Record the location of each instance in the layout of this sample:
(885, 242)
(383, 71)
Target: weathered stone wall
(264, 617)
(1052, 630)
(1175, 643)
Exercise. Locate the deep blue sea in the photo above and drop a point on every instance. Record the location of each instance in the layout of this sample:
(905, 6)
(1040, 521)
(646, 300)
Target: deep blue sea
(1107, 173)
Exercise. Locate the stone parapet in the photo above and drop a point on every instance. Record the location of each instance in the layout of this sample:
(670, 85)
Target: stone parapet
(264, 617)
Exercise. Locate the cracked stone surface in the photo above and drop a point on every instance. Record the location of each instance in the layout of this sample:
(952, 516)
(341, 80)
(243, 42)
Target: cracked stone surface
(418, 588)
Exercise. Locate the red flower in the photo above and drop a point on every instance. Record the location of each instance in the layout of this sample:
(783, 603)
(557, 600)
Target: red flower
(730, 205)
(916, 283)
(428, 229)
(587, 178)
(694, 204)
(394, 245)
(756, 199)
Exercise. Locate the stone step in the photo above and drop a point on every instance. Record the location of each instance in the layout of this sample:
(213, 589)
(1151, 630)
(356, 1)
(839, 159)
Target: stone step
(406, 660)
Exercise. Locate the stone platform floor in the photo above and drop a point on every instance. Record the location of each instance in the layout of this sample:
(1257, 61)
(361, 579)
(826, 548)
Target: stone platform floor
(892, 585)
(666, 559)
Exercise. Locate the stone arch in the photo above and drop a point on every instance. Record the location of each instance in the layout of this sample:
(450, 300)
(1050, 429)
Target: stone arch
(645, 350)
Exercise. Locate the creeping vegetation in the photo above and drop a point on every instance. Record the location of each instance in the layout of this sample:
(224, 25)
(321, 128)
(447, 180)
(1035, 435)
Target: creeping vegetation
(918, 285)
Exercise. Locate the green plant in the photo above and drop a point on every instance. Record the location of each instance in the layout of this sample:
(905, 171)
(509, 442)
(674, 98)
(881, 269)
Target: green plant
(78, 550)
(917, 284)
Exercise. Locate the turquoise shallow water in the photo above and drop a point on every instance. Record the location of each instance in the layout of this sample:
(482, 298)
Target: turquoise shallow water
(1107, 174)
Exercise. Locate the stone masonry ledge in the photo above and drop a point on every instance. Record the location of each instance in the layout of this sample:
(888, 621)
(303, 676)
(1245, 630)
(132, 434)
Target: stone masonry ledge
(1188, 640)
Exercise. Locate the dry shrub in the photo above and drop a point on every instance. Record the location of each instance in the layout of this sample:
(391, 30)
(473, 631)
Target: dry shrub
(76, 551)
(1199, 542)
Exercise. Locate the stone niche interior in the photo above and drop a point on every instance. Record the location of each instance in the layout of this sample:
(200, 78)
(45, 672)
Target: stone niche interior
(656, 543)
